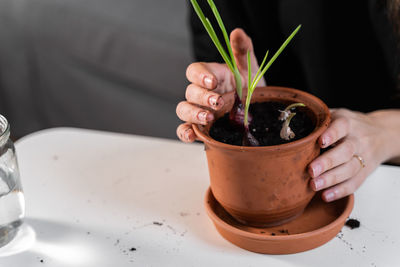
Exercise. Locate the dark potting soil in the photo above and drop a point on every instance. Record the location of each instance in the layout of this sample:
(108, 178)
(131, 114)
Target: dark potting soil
(353, 223)
(265, 126)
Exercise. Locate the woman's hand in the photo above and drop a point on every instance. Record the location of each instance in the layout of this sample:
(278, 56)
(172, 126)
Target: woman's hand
(209, 83)
(358, 144)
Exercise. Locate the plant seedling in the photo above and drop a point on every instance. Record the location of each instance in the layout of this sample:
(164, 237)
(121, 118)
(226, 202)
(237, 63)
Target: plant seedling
(239, 115)
(286, 116)
(252, 83)
(287, 111)
(286, 132)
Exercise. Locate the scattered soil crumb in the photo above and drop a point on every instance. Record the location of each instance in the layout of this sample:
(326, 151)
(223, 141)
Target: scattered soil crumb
(184, 214)
(198, 214)
(184, 233)
(340, 236)
(158, 223)
(88, 233)
(273, 234)
(55, 157)
(132, 249)
(42, 261)
(352, 223)
(116, 242)
(172, 229)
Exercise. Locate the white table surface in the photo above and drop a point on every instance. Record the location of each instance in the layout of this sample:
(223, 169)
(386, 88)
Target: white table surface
(92, 196)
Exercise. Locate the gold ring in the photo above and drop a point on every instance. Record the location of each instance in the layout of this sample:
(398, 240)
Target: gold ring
(360, 159)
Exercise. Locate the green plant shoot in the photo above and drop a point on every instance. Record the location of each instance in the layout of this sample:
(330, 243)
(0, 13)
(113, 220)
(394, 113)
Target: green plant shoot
(252, 83)
(287, 111)
(286, 132)
(228, 58)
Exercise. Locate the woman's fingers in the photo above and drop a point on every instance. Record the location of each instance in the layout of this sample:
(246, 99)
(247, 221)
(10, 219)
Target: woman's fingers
(199, 74)
(343, 150)
(339, 171)
(332, 158)
(193, 114)
(211, 76)
(344, 189)
(338, 129)
(208, 79)
(336, 175)
(203, 97)
(185, 133)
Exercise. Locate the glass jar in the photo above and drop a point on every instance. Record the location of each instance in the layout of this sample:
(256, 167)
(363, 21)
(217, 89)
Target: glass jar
(12, 201)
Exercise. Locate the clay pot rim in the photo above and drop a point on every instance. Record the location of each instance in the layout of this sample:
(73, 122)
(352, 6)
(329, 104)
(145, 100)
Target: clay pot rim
(314, 134)
(340, 219)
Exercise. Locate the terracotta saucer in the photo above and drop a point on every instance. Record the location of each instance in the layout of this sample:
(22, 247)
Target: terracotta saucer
(319, 223)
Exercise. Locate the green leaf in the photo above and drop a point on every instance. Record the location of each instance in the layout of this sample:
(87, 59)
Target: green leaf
(259, 69)
(283, 46)
(238, 81)
(229, 59)
(218, 45)
(294, 105)
(260, 74)
(210, 30)
(223, 30)
(248, 68)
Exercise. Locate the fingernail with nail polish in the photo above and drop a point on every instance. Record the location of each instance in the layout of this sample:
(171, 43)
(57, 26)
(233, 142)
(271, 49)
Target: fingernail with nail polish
(210, 117)
(187, 134)
(325, 141)
(202, 116)
(318, 184)
(216, 101)
(316, 170)
(330, 196)
(208, 82)
(213, 100)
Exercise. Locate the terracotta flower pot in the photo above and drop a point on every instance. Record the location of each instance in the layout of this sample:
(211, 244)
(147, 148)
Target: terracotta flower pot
(266, 186)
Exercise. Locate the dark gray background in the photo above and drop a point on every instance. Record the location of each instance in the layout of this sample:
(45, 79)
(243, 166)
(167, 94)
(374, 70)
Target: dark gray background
(116, 65)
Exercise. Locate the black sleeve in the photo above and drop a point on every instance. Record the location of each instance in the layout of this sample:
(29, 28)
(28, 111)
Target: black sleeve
(341, 55)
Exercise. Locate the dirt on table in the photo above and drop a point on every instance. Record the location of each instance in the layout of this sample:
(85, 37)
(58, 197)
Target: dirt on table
(353, 223)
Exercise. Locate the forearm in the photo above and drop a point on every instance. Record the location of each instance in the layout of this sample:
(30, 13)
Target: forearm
(389, 121)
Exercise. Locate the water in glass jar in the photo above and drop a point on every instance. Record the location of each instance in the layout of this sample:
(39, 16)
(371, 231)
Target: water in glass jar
(12, 204)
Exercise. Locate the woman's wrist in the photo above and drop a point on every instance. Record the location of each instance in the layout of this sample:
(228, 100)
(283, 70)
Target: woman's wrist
(389, 122)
